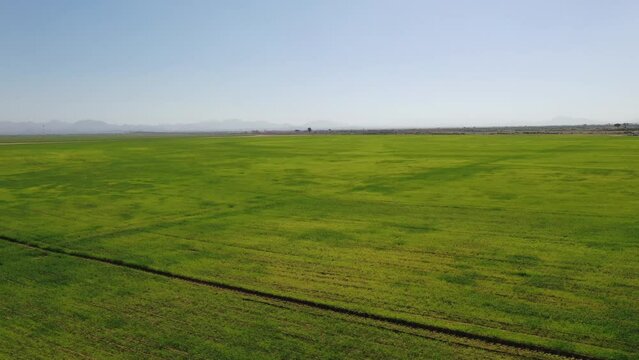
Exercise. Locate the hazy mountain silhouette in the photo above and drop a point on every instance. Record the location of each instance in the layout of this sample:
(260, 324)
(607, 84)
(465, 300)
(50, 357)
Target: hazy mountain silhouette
(100, 127)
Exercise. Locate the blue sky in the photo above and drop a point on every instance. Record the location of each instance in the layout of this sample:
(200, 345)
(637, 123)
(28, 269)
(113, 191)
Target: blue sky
(365, 63)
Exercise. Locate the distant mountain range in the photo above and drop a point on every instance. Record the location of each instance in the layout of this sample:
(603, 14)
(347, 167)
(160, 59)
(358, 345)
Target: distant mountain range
(57, 127)
(100, 127)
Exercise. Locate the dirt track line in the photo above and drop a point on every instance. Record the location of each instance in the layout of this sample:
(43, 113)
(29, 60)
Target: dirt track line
(309, 303)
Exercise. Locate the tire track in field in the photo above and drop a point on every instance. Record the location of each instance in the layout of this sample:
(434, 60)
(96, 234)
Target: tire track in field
(309, 303)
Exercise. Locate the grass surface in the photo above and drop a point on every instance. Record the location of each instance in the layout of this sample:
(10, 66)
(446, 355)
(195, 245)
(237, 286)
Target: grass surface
(529, 238)
(67, 308)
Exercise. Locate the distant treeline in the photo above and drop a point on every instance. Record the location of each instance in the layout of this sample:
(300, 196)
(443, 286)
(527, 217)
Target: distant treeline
(613, 129)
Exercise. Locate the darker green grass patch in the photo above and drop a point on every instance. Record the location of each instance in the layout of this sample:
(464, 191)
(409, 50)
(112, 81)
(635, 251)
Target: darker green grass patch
(448, 174)
(546, 282)
(607, 172)
(521, 274)
(327, 236)
(114, 322)
(375, 188)
(414, 228)
(465, 278)
(126, 216)
(502, 195)
(524, 260)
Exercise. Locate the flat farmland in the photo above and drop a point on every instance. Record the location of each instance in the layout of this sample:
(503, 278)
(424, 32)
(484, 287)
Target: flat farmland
(529, 240)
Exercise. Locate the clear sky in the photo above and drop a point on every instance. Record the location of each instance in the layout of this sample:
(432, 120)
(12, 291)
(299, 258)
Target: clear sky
(370, 63)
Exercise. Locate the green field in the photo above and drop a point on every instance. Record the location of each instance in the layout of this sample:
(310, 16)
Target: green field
(533, 239)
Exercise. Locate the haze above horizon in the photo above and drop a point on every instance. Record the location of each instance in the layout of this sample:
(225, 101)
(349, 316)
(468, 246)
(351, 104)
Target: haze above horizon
(361, 63)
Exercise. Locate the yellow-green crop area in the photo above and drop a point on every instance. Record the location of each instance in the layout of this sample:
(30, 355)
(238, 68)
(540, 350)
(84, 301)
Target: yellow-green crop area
(529, 239)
